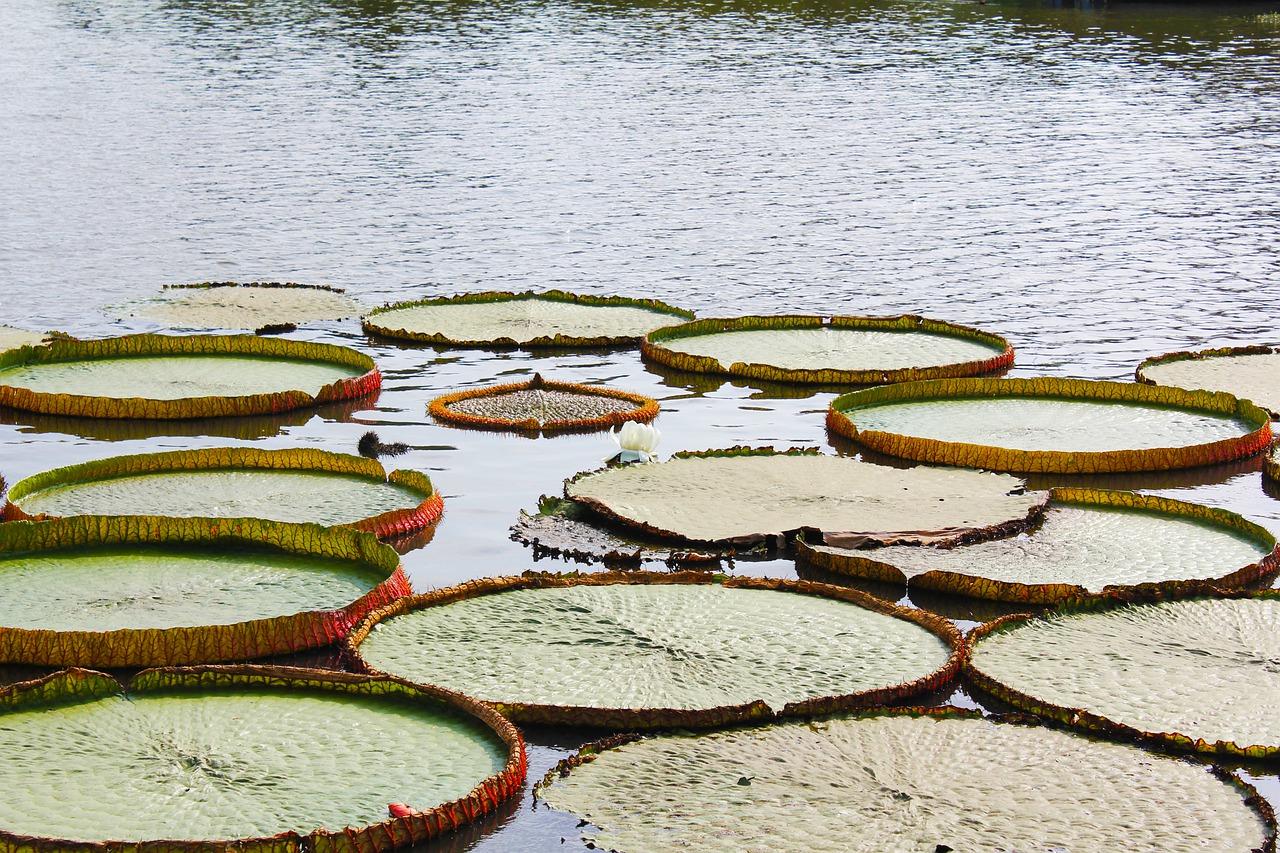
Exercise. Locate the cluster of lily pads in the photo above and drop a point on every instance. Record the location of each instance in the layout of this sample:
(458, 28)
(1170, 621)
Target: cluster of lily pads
(774, 708)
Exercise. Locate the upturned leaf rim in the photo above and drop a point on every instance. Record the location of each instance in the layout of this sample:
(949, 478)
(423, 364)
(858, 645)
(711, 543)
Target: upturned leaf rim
(652, 349)
(185, 645)
(85, 406)
(862, 564)
(394, 523)
(992, 458)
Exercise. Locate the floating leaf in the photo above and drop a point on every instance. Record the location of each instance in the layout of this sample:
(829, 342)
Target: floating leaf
(294, 485)
(1087, 541)
(1066, 426)
(129, 591)
(648, 650)
(195, 376)
(849, 350)
(1193, 673)
(234, 305)
(564, 529)
(253, 759)
(744, 497)
(900, 781)
(540, 406)
(554, 318)
(11, 338)
(1251, 373)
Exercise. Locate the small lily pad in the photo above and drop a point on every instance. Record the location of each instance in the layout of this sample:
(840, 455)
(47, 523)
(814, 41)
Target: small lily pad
(539, 406)
(648, 650)
(296, 485)
(900, 781)
(1086, 542)
(1065, 426)
(234, 305)
(195, 376)
(258, 759)
(1251, 373)
(849, 350)
(553, 318)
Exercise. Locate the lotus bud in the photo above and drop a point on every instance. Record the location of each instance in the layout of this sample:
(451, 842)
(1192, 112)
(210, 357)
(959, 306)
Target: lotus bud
(637, 441)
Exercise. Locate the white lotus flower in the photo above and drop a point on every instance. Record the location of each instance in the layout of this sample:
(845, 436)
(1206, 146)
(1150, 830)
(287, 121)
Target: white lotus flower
(638, 442)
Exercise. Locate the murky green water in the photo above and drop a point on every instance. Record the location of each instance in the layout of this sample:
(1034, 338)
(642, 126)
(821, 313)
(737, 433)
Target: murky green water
(1096, 184)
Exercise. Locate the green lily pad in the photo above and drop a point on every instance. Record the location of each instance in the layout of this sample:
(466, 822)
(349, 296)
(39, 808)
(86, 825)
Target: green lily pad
(829, 350)
(1051, 425)
(1196, 673)
(157, 376)
(245, 759)
(1251, 373)
(649, 650)
(233, 305)
(903, 781)
(296, 485)
(1086, 542)
(128, 591)
(744, 497)
(553, 318)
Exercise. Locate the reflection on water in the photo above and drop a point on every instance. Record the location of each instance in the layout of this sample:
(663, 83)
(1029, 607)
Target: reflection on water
(1096, 182)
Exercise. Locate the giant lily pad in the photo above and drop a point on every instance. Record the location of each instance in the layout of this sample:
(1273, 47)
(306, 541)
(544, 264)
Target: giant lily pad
(553, 318)
(245, 759)
(197, 376)
(127, 591)
(232, 305)
(1198, 673)
(829, 350)
(1251, 373)
(645, 650)
(1086, 542)
(1066, 426)
(295, 485)
(905, 781)
(540, 406)
(744, 497)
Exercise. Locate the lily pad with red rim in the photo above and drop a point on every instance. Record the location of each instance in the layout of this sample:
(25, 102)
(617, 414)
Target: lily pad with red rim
(540, 406)
(168, 377)
(262, 760)
(132, 591)
(295, 485)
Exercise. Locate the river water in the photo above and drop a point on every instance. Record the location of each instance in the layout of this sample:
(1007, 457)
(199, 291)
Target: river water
(1098, 183)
